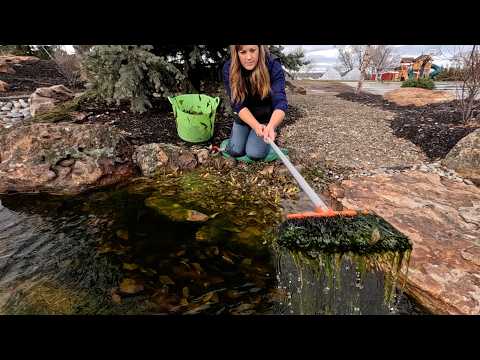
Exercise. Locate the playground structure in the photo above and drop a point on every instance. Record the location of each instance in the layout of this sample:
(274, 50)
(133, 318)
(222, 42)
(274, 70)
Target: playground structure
(412, 69)
(421, 67)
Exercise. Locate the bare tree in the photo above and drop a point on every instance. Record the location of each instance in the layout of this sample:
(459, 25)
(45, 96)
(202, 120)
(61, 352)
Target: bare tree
(69, 65)
(351, 56)
(364, 63)
(469, 73)
(382, 58)
(345, 58)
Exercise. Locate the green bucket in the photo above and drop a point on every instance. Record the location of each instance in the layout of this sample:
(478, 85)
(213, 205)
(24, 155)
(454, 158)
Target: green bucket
(195, 116)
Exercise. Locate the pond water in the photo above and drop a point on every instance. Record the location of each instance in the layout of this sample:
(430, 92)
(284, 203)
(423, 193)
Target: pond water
(148, 248)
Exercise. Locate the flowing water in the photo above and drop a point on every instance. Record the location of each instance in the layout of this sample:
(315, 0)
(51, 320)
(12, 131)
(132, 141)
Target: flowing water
(130, 250)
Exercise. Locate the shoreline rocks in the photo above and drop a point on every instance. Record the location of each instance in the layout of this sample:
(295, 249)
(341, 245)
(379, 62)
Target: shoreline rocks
(13, 112)
(63, 158)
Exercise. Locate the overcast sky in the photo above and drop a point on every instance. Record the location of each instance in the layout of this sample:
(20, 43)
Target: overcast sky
(324, 56)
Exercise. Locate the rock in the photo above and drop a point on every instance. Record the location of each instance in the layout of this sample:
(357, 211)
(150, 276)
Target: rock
(267, 170)
(7, 107)
(67, 162)
(172, 210)
(187, 161)
(202, 156)
(46, 98)
(149, 158)
(417, 96)
(17, 105)
(23, 103)
(3, 86)
(464, 157)
(78, 116)
(131, 286)
(7, 62)
(6, 69)
(30, 158)
(442, 219)
(196, 216)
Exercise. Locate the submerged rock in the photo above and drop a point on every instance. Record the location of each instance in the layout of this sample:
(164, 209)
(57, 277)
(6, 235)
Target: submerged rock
(131, 286)
(174, 211)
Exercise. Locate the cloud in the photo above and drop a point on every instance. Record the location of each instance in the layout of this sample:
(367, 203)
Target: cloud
(325, 53)
(324, 56)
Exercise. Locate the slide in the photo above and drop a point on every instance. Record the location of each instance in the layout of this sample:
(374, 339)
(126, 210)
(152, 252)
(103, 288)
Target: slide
(435, 72)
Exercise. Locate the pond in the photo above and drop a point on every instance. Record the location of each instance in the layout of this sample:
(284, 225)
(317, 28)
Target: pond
(171, 245)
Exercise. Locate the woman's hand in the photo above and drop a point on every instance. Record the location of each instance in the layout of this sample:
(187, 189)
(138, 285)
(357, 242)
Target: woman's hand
(259, 130)
(269, 133)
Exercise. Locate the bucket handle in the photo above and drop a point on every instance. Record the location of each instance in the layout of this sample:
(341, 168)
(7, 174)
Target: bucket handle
(174, 105)
(216, 101)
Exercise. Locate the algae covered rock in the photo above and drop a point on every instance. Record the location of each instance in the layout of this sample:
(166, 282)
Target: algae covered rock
(363, 234)
(173, 210)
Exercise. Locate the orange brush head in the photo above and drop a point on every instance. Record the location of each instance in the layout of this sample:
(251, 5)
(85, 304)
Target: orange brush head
(322, 213)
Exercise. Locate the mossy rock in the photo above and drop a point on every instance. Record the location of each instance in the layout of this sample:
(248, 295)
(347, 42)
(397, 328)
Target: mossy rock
(174, 211)
(62, 112)
(362, 234)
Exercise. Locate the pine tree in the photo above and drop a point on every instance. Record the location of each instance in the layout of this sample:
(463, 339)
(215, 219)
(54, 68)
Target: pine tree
(132, 73)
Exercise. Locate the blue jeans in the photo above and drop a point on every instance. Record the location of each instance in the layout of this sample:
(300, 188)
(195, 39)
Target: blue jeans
(244, 141)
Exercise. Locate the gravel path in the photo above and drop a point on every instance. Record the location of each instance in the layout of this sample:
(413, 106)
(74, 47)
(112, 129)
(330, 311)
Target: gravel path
(346, 135)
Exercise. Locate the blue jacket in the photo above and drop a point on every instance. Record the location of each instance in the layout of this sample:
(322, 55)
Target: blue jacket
(277, 84)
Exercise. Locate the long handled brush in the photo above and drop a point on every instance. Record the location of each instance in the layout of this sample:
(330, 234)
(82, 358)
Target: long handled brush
(320, 209)
(324, 229)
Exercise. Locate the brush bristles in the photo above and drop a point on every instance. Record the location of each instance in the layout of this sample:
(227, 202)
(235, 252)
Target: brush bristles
(364, 233)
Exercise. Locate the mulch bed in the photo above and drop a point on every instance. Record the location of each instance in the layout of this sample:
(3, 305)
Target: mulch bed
(158, 125)
(32, 75)
(435, 128)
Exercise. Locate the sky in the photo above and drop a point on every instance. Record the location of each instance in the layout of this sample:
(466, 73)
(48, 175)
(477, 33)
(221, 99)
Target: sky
(324, 56)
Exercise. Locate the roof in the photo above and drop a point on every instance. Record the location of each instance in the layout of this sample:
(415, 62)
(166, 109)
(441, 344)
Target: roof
(424, 58)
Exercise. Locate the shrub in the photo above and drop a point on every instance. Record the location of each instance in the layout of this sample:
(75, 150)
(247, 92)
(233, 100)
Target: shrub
(131, 73)
(69, 65)
(420, 83)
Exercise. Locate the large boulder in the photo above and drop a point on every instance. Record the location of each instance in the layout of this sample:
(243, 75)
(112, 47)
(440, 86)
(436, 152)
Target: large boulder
(7, 62)
(417, 96)
(63, 158)
(46, 98)
(464, 157)
(442, 219)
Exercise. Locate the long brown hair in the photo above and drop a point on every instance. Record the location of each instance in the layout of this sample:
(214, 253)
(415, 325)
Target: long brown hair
(258, 78)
